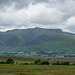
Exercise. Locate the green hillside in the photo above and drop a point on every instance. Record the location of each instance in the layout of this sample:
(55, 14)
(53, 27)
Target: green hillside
(37, 42)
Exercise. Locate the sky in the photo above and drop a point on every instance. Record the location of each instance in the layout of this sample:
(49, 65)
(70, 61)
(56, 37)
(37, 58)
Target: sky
(51, 14)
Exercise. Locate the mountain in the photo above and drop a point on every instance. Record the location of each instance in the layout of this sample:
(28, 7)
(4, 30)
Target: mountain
(37, 42)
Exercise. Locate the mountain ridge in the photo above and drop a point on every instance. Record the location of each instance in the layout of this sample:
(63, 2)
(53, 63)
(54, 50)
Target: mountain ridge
(37, 42)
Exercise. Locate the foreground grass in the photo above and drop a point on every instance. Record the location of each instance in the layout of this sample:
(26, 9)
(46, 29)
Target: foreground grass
(7, 69)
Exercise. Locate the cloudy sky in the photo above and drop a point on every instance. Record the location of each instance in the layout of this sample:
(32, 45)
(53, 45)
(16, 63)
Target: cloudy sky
(37, 13)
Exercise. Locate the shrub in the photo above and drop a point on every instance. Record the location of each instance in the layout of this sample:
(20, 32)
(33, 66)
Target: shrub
(31, 63)
(26, 63)
(61, 63)
(45, 63)
(73, 64)
(2, 62)
(9, 61)
(56, 63)
(16, 62)
(39, 62)
(66, 63)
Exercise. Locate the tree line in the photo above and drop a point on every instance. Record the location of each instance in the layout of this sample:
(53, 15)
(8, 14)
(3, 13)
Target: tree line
(37, 62)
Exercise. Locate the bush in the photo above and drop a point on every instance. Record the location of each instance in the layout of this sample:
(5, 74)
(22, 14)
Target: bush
(38, 61)
(31, 63)
(45, 63)
(9, 61)
(61, 63)
(16, 62)
(65, 63)
(2, 62)
(56, 63)
(73, 64)
(26, 63)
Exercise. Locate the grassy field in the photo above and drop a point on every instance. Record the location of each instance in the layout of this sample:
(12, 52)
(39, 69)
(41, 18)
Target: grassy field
(18, 68)
(7, 69)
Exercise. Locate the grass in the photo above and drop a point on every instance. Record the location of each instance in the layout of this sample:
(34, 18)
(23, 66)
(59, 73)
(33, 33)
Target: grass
(7, 69)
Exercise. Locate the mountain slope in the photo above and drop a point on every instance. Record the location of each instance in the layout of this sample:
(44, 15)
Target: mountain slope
(37, 42)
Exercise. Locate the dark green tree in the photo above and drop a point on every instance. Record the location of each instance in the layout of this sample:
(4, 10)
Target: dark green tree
(65, 56)
(66, 63)
(10, 61)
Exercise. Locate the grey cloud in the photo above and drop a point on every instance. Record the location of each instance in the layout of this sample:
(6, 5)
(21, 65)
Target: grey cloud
(71, 29)
(24, 3)
(19, 3)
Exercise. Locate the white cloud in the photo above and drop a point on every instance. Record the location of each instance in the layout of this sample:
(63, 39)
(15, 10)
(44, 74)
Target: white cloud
(41, 14)
(71, 21)
(35, 14)
(69, 25)
(11, 16)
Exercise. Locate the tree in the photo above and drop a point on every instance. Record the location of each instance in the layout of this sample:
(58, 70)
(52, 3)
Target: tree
(66, 63)
(65, 56)
(38, 61)
(9, 61)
